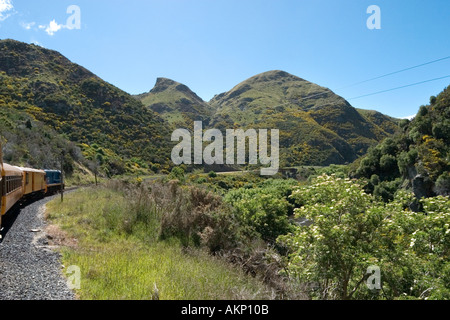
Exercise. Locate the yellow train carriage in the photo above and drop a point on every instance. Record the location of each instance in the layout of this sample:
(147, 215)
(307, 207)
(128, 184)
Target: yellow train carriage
(11, 186)
(33, 181)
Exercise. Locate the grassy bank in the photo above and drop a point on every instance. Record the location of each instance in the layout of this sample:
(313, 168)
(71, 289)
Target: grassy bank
(115, 242)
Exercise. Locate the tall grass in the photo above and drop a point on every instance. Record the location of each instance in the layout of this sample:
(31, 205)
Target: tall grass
(121, 253)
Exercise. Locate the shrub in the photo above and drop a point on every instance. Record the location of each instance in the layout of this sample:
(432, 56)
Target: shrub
(212, 174)
(388, 166)
(195, 216)
(443, 184)
(264, 209)
(352, 230)
(177, 173)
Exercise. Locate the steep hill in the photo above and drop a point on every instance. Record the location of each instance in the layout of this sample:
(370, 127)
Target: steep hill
(176, 103)
(75, 102)
(317, 126)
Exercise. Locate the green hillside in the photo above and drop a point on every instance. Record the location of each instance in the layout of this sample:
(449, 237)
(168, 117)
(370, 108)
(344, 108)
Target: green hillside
(124, 133)
(317, 126)
(176, 103)
(417, 157)
(87, 110)
(29, 143)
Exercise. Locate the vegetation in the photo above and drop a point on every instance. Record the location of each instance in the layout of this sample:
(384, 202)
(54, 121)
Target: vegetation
(176, 103)
(198, 233)
(121, 254)
(29, 143)
(74, 102)
(418, 157)
(352, 230)
(249, 243)
(317, 127)
(264, 208)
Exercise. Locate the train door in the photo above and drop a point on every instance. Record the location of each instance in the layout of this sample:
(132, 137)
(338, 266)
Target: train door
(1, 198)
(1, 190)
(27, 182)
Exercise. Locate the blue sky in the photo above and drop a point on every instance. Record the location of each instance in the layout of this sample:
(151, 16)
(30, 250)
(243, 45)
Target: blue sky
(212, 45)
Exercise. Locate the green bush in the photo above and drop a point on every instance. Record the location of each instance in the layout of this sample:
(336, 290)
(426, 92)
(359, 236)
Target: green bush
(177, 173)
(351, 230)
(264, 209)
(212, 174)
(443, 184)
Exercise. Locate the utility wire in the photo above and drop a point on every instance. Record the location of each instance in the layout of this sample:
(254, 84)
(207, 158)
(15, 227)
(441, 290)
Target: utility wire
(392, 89)
(395, 72)
(383, 76)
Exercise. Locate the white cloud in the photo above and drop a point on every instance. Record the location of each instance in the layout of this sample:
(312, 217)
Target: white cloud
(52, 27)
(410, 117)
(5, 7)
(27, 25)
(73, 22)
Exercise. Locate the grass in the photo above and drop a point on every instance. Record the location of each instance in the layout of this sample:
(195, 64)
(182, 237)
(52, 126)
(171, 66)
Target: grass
(121, 257)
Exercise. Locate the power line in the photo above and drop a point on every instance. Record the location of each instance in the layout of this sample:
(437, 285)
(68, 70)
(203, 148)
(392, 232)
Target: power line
(383, 76)
(395, 72)
(392, 89)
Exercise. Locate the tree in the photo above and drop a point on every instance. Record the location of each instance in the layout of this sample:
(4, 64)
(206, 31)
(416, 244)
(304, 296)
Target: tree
(94, 166)
(352, 230)
(333, 252)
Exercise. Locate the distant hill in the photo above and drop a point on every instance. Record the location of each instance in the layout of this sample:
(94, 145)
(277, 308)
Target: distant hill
(176, 103)
(386, 123)
(122, 132)
(318, 127)
(87, 110)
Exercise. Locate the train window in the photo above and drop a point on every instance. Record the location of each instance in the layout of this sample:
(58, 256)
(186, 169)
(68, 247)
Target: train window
(27, 175)
(12, 183)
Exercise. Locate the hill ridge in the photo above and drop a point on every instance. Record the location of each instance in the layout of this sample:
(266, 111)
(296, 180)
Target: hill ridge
(78, 104)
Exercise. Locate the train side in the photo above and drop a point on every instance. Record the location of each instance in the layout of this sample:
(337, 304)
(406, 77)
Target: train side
(11, 187)
(17, 184)
(33, 182)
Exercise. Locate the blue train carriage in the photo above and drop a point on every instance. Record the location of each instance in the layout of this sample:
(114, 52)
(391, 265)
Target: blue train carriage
(54, 181)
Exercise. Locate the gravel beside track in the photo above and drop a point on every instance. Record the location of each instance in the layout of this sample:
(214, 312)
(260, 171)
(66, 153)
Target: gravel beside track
(29, 268)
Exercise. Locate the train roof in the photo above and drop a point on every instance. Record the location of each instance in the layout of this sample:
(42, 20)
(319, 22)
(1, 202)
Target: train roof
(31, 170)
(8, 169)
(52, 171)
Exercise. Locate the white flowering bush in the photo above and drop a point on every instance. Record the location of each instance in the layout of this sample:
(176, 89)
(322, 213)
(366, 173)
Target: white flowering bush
(351, 230)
